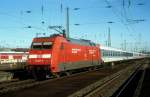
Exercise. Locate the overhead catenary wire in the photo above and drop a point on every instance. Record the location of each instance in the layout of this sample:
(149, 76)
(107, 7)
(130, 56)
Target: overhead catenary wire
(131, 20)
(122, 18)
(42, 12)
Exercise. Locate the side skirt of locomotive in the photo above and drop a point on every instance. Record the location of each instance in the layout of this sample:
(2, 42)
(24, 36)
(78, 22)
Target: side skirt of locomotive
(43, 72)
(78, 65)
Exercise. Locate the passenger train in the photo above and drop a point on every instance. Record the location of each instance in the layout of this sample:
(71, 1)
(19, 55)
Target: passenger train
(11, 63)
(9, 60)
(57, 54)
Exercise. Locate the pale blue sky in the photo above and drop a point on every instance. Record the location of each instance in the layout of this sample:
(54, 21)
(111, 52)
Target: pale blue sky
(92, 16)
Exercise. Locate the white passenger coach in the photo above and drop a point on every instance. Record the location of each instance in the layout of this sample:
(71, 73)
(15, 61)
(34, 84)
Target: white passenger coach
(110, 54)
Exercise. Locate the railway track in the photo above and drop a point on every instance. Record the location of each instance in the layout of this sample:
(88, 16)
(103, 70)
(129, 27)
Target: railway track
(133, 86)
(144, 90)
(107, 86)
(9, 81)
(71, 84)
(16, 85)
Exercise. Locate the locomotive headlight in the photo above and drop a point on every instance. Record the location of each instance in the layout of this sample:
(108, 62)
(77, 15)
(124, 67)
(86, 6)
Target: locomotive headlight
(46, 56)
(32, 56)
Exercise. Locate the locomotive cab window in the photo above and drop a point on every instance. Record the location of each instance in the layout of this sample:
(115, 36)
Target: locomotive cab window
(47, 45)
(40, 45)
(36, 45)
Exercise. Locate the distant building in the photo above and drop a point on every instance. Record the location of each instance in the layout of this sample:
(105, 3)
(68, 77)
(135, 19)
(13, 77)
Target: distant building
(5, 49)
(20, 49)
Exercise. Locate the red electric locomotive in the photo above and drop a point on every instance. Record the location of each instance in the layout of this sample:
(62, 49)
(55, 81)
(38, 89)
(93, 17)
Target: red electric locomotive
(56, 54)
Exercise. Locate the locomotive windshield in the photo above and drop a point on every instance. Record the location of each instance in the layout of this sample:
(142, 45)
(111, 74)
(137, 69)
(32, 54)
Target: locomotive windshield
(41, 45)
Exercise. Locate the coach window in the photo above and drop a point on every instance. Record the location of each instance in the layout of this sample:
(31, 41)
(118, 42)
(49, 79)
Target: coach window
(117, 54)
(124, 54)
(111, 54)
(120, 53)
(102, 52)
(128, 54)
(114, 53)
(105, 53)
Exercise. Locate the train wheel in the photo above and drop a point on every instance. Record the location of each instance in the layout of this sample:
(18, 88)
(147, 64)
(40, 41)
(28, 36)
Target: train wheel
(95, 68)
(56, 75)
(90, 69)
(39, 74)
(68, 73)
(22, 75)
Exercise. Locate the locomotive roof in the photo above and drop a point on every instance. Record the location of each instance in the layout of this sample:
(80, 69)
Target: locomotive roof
(76, 41)
(72, 40)
(53, 35)
(81, 42)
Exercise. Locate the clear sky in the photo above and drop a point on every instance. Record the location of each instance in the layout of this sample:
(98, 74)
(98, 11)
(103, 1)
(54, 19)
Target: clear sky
(130, 21)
